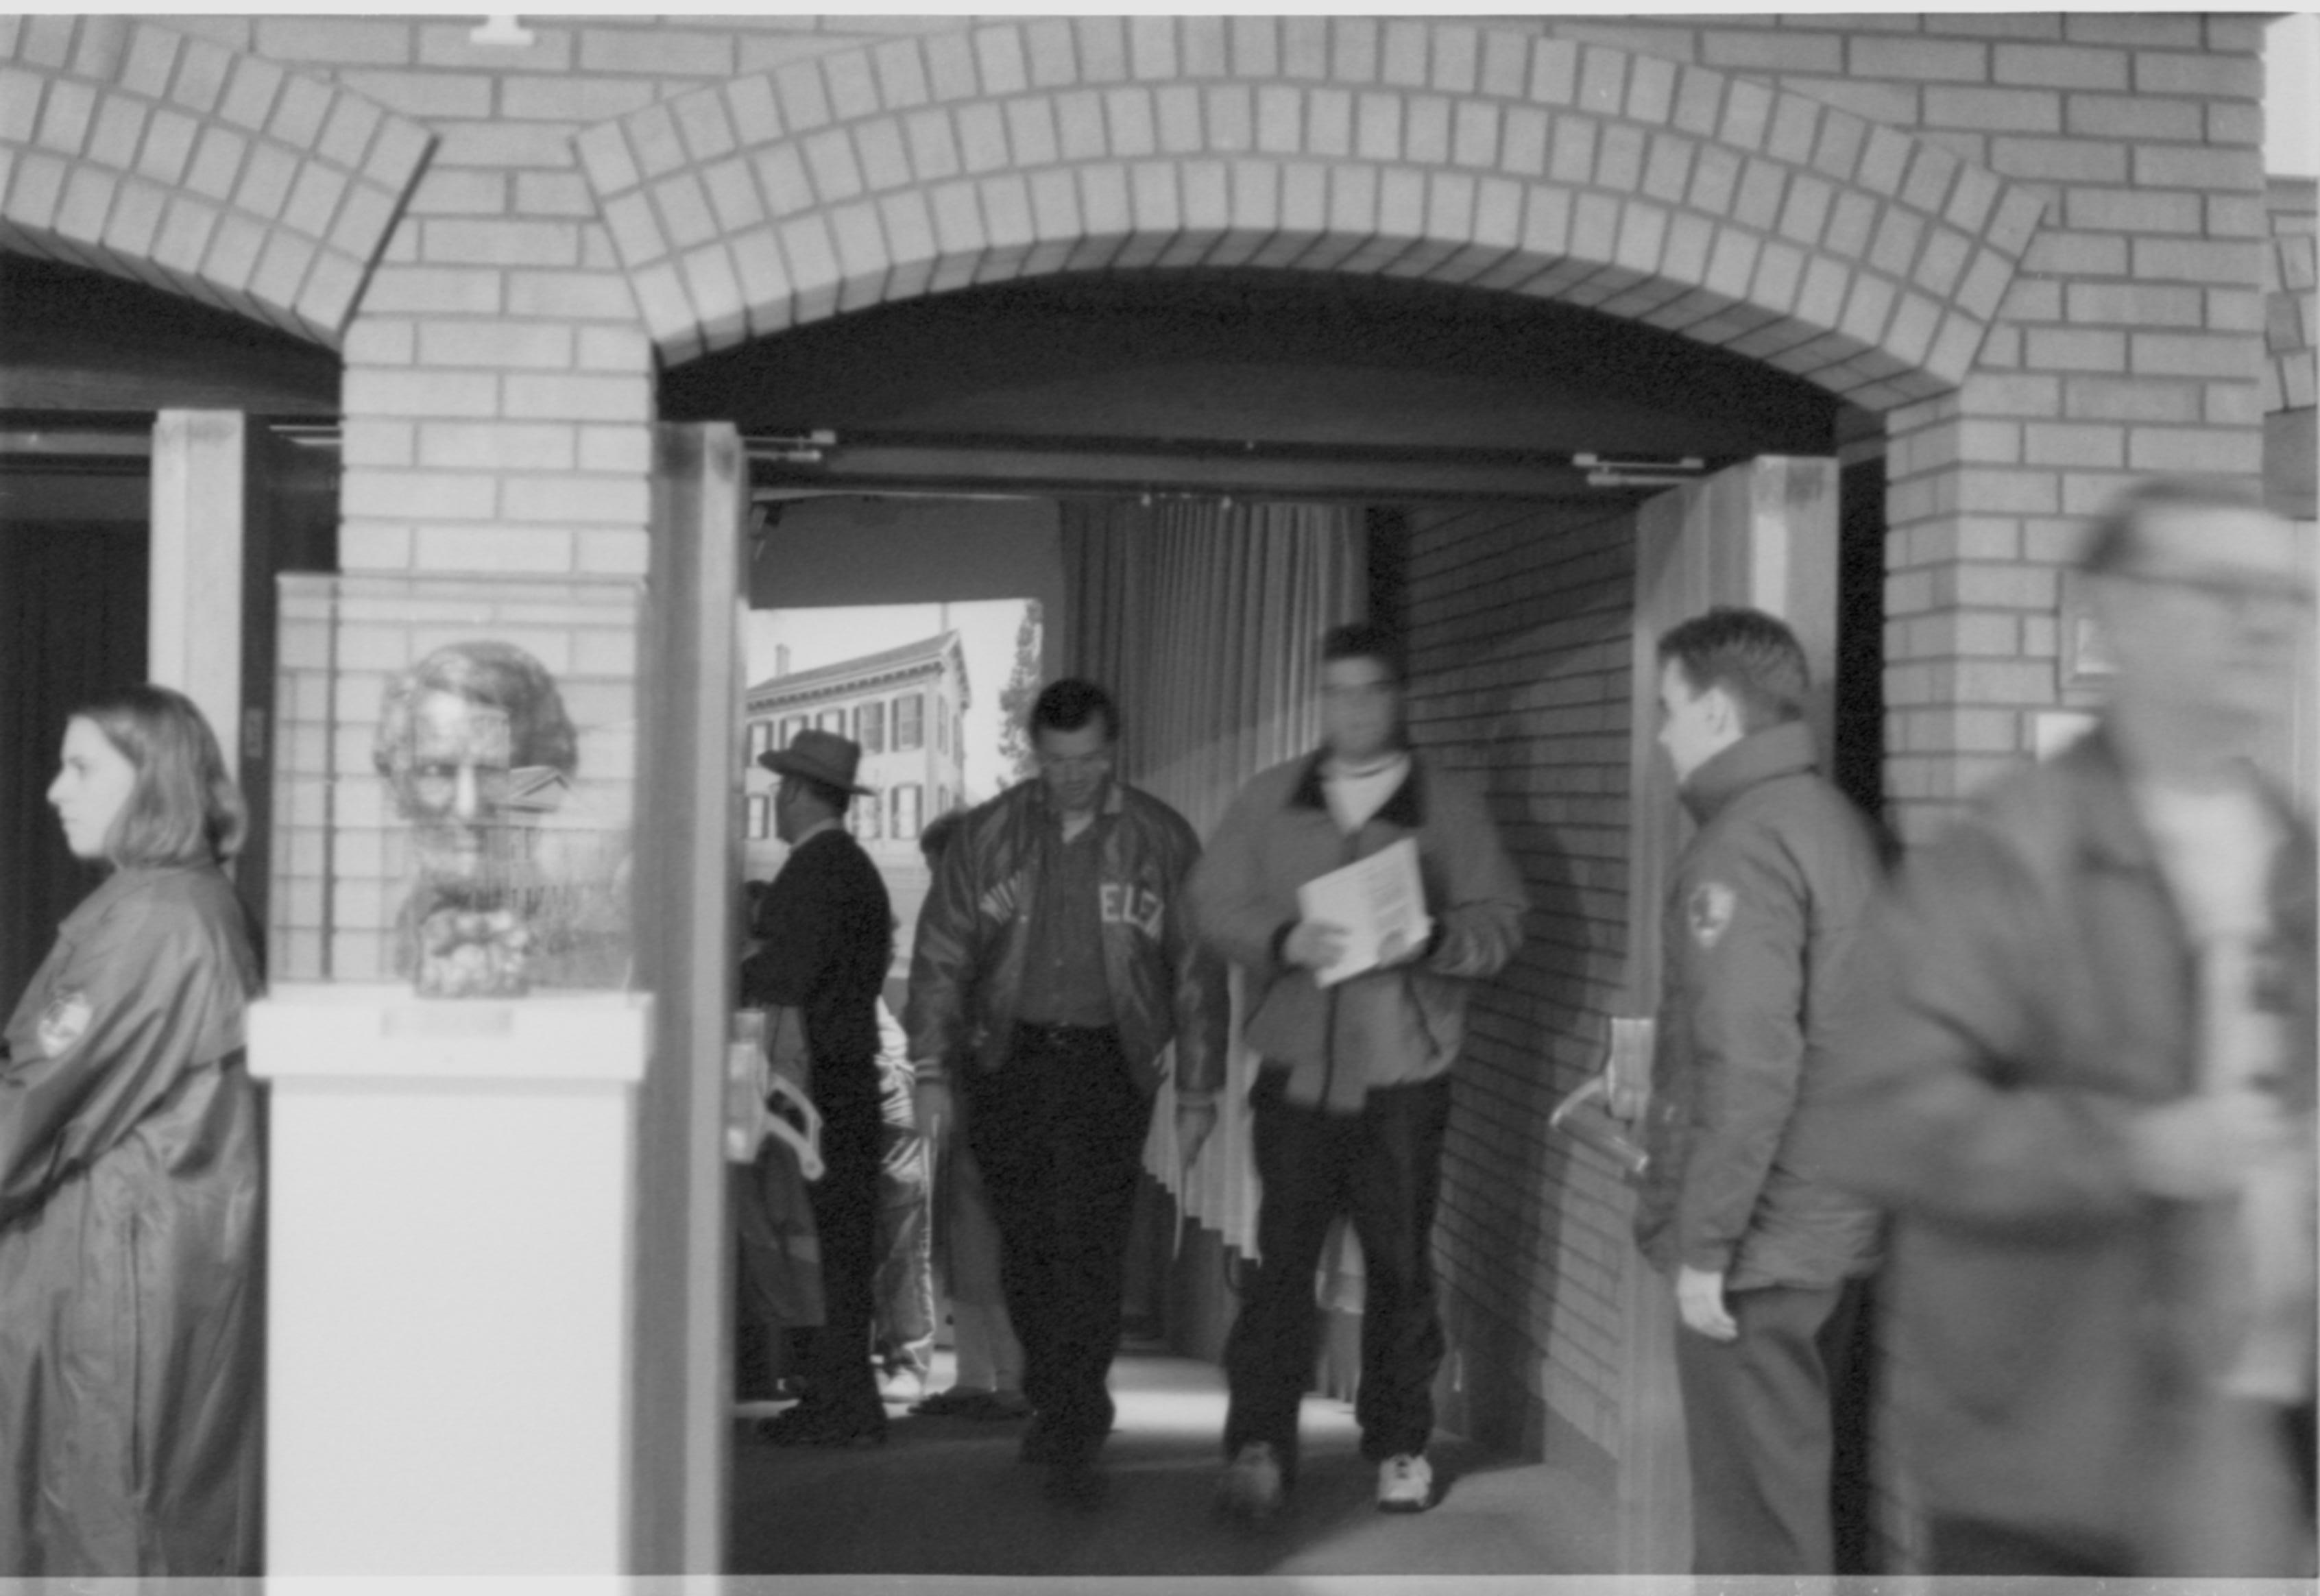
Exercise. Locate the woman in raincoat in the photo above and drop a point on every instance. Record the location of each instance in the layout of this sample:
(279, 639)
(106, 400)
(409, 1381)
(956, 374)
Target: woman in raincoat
(129, 1318)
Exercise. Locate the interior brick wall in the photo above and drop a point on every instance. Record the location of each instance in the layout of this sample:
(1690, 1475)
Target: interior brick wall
(1518, 650)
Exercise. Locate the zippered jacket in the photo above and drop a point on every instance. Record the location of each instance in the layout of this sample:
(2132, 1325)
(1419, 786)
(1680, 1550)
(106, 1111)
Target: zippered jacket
(974, 934)
(1389, 1027)
(1766, 904)
(2062, 1335)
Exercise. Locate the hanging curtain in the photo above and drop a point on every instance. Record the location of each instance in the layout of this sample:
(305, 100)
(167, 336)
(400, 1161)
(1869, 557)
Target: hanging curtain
(1201, 621)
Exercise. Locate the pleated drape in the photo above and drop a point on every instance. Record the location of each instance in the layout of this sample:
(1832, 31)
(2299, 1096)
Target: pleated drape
(1202, 623)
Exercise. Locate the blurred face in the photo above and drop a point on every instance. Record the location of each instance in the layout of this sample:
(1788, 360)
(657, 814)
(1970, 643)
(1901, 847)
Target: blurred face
(455, 788)
(93, 782)
(1694, 725)
(2204, 622)
(1075, 766)
(1361, 709)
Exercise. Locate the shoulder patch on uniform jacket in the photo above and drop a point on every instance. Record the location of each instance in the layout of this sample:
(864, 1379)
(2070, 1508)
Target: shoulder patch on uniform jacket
(1708, 911)
(64, 1022)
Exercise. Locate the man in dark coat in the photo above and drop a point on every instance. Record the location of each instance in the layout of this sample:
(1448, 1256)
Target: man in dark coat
(825, 933)
(1768, 1258)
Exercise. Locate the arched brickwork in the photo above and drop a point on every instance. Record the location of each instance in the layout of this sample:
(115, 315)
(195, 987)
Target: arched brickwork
(131, 147)
(1746, 217)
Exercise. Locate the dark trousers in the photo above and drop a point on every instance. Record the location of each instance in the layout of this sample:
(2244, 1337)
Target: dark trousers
(1383, 1167)
(1058, 1132)
(1760, 1418)
(838, 1381)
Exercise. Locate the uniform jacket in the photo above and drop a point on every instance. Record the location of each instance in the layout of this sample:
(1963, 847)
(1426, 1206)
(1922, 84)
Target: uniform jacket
(1383, 1028)
(130, 1229)
(966, 967)
(2033, 987)
(1767, 901)
(826, 937)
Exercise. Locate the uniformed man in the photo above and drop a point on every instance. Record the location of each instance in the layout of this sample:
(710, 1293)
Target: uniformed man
(1768, 1260)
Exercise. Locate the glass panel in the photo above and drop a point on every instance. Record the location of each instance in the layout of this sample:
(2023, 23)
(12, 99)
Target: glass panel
(454, 782)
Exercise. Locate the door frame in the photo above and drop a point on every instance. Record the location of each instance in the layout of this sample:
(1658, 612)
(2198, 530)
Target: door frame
(1762, 533)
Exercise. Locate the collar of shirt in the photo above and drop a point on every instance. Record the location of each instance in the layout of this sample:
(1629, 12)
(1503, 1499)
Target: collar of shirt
(814, 830)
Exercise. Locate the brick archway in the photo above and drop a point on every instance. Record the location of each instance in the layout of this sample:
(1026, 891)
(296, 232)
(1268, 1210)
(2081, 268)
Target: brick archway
(133, 148)
(1755, 219)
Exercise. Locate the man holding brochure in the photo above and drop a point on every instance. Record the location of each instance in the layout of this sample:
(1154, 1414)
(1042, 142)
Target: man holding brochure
(1363, 891)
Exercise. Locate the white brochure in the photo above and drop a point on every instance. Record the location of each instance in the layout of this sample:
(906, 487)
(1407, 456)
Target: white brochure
(1378, 902)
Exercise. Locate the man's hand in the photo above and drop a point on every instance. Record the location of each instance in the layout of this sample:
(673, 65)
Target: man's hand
(1700, 1298)
(2205, 1147)
(931, 1103)
(1314, 945)
(1194, 1121)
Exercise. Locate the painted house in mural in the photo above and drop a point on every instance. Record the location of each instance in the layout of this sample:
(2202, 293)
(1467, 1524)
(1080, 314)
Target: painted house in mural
(905, 706)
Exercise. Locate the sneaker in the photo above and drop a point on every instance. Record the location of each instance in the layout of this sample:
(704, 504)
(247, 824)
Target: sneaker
(1405, 1484)
(1250, 1486)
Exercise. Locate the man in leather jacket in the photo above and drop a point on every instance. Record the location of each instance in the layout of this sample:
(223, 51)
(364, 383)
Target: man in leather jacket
(1054, 955)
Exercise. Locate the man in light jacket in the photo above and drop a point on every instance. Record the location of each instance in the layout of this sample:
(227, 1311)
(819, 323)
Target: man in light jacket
(1353, 1093)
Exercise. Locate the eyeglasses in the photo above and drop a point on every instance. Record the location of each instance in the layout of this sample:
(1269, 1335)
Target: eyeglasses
(1076, 763)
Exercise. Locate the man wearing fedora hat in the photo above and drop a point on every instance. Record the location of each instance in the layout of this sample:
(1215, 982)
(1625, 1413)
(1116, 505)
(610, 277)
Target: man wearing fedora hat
(825, 933)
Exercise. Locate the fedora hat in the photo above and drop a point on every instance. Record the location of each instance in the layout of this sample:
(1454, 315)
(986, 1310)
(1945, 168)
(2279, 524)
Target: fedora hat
(820, 756)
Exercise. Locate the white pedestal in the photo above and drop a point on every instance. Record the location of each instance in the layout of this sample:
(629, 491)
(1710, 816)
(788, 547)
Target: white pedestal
(449, 1222)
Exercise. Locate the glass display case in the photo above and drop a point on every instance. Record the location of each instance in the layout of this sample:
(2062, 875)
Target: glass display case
(454, 780)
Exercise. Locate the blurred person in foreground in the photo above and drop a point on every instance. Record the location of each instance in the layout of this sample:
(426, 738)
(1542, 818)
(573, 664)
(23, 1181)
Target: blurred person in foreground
(2081, 1075)
(1769, 1262)
(130, 1361)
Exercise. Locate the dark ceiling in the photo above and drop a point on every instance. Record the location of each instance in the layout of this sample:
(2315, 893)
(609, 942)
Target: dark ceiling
(1276, 357)
(76, 339)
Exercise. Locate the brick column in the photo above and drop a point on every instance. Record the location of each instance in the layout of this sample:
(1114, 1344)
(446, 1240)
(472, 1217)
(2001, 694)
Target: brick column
(2130, 344)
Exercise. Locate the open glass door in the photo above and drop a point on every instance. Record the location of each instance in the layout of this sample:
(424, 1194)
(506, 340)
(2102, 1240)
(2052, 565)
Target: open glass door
(1762, 533)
